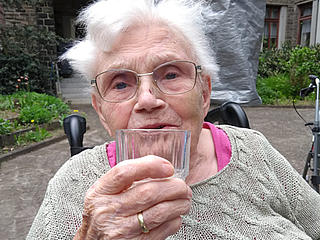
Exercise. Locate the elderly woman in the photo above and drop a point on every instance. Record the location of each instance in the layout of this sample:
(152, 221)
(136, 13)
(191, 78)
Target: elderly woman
(152, 68)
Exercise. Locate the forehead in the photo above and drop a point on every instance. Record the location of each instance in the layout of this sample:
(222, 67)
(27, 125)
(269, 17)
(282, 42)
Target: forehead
(143, 47)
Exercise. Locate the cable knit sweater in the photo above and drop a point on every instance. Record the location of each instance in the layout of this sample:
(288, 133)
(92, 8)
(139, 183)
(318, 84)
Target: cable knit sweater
(258, 195)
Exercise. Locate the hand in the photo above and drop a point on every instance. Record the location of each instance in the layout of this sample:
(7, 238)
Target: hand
(113, 202)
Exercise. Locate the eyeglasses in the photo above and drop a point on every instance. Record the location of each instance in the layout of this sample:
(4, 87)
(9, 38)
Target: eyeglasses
(171, 78)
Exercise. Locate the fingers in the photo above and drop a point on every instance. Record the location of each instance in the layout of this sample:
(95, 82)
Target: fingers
(164, 230)
(162, 220)
(111, 207)
(165, 212)
(154, 218)
(147, 194)
(124, 174)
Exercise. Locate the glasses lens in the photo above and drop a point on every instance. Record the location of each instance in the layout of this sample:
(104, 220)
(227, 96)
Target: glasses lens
(116, 85)
(175, 77)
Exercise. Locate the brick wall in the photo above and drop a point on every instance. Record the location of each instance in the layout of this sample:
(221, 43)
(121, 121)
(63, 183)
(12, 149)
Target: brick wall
(20, 16)
(40, 15)
(45, 15)
(45, 18)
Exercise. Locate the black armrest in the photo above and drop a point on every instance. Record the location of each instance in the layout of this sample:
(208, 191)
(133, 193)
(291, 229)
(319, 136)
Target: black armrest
(75, 127)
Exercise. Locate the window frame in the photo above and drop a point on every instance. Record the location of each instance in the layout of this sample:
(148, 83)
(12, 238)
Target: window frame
(268, 22)
(301, 18)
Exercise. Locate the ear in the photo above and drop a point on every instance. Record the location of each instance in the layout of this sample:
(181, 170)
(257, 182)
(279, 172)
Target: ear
(97, 105)
(206, 93)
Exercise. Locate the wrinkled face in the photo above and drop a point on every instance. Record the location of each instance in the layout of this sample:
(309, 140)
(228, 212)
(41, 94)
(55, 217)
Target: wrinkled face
(141, 49)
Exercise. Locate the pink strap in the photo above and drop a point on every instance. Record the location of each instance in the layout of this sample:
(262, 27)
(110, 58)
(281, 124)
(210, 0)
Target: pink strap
(111, 152)
(221, 144)
(220, 140)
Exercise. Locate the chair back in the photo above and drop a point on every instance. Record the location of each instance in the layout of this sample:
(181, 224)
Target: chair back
(229, 113)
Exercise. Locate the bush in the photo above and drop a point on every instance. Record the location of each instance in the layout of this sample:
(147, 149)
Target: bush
(25, 52)
(282, 73)
(14, 67)
(274, 61)
(303, 62)
(275, 88)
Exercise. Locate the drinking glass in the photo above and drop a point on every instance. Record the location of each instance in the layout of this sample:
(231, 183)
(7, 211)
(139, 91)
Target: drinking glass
(171, 144)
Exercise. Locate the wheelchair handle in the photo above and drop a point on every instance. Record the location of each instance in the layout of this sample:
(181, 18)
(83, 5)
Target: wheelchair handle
(75, 127)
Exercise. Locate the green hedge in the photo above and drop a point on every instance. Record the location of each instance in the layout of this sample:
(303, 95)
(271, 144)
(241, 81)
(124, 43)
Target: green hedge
(284, 72)
(27, 52)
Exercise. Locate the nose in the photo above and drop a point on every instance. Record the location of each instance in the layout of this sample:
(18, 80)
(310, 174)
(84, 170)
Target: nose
(148, 96)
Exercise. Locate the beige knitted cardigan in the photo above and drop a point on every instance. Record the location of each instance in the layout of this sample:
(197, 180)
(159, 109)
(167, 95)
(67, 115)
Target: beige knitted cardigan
(258, 195)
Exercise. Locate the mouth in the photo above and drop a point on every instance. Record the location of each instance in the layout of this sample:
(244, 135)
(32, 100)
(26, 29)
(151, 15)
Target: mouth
(157, 126)
(160, 127)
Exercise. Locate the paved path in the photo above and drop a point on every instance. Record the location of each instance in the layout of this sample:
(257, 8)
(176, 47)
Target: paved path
(76, 89)
(23, 180)
(285, 130)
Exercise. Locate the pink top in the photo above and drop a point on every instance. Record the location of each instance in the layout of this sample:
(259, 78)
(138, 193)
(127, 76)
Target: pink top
(220, 140)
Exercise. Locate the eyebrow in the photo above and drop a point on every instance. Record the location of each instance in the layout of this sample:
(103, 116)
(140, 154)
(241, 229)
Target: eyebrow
(153, 61)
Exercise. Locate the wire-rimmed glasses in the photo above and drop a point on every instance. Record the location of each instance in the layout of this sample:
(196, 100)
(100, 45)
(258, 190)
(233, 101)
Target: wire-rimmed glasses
(174, 77)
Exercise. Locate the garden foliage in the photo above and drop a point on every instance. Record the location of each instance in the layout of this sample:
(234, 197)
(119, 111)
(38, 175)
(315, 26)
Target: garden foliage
(24, 54)
(33, 108)
(30, 110)
(284, 72)
(37, 135)
(6, 126)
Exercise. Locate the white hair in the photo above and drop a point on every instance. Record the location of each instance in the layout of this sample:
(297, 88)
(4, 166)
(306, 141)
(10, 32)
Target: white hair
(104, 20)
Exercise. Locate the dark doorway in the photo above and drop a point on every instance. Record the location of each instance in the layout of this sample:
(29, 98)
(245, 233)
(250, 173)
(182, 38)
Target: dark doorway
(65, 13)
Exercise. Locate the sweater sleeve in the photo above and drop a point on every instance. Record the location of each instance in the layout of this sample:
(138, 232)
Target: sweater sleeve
(303, 199)
(60, 214)
(308, 210)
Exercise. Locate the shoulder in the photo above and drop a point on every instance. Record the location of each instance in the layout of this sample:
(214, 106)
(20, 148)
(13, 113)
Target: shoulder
(61, 210)
(89, 164)
(75, 177)
(250, 147)
(245, 135)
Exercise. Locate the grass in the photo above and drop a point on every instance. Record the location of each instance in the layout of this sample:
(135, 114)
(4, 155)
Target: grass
(278, 90)
(23, 110)
(31, 138)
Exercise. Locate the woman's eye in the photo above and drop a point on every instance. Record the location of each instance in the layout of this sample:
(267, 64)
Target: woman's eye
(121, 85)
(170, 76)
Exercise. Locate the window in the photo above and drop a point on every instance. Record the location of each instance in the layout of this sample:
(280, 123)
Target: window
(271, 27)
(305, 14)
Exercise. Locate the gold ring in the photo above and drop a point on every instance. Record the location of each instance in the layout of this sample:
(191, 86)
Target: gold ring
(143, 226)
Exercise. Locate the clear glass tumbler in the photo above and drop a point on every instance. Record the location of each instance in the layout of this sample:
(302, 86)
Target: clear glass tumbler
(171, 144)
